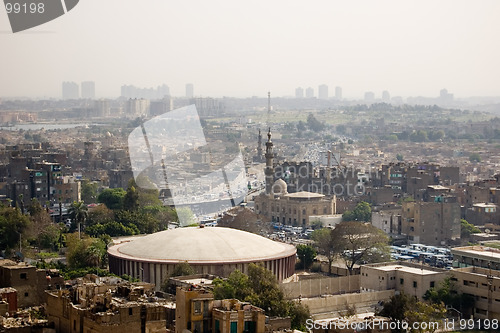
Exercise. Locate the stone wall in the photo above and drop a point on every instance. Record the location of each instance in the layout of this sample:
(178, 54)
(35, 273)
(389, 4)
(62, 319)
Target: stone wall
(321, 286)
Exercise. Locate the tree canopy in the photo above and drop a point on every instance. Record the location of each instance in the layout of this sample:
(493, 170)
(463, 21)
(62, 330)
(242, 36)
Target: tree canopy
(112, 198)
(362, 212)
(406, 308)
(360, 242)
(306, 254)
(260, 287)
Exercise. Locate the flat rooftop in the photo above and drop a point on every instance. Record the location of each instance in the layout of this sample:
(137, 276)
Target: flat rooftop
(412, 270)
(478, 251)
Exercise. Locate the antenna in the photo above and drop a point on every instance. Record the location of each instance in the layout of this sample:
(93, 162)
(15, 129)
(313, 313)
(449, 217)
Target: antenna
(268, 109)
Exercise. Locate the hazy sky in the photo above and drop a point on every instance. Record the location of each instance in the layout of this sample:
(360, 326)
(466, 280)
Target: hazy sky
(245, 48)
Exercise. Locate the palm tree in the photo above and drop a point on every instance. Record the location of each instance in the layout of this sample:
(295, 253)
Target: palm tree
(78, 212)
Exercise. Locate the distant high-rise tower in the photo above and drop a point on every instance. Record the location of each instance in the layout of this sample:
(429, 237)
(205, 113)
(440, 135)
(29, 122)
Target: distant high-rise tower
(338, 93)
(309, 92)
(189, 90)
(162, 91)
(70, 90)
(369, 96)
(299, 92)
(323, 91)
(88, 89)
(445, 97)
(386, 97)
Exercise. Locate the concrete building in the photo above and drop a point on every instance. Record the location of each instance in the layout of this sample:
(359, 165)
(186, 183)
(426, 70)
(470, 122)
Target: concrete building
(431, 223)
(293, 208)
(484, 286)
(136, 107)
(189, 90)
(412, 279)
(299, 92)
(101, 108)
(369, 97)
(109, 305)
(309, 92)
(29, 282)
(386, 97)
(323, 91)
(477, 256)
(388, 220)
(338, 93)
(217, 251)
(483, 213)
(160, 107)
(197, 311)
(70, 90)
(88, 90)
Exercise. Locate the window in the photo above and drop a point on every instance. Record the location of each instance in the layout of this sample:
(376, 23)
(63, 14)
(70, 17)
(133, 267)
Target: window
(217, 326)
(414, 284)
(130, 311)
(401, 281)
(249, 327)
(432, 284)
(26, 294)
(234, 327)
(197, 307)
(23, 276)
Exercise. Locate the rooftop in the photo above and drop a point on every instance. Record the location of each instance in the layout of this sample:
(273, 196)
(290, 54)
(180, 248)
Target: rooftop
(304, 195)
(483, 252)
(202, 245)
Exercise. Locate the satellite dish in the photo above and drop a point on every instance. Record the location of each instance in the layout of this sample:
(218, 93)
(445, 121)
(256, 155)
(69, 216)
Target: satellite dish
(487, 231)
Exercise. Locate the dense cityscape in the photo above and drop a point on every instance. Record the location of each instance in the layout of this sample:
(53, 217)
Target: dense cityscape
(325, 210)
(249, 167)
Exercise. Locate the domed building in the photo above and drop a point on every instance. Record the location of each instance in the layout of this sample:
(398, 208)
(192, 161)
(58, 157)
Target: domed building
(294, 209)
(217, 251)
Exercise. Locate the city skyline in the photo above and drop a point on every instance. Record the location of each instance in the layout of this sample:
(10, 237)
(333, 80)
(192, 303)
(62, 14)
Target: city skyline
(408, 49)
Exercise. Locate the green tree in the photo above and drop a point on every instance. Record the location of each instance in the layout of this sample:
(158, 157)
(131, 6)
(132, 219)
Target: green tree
(42, 232)
(14, 227)
(89, 191)
(448, 294)
(236, 286)
(306, 254)
(475, 157)
(467, 229)
(301, 126)
(314, 124)
(419, 136)
(183, 269)
(360, 242)
(324, 242)
(85, 252)
(131, 199)
(112, 198)
(78, 212)
(399, 157)
(403, 307)
(261, 289)
(362, 212)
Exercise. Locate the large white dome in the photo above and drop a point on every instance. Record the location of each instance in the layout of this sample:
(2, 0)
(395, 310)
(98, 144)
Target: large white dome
(202, 245)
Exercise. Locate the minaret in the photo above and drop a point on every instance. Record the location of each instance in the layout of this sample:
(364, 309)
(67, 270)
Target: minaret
(269, 171)
(259, 148)
(268, 102)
